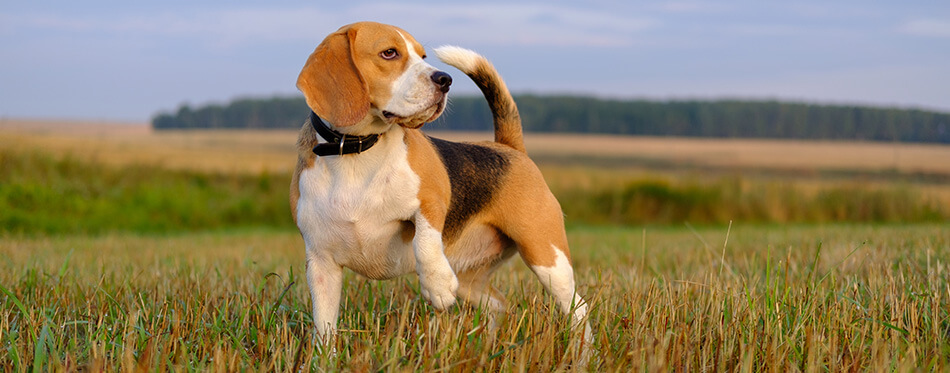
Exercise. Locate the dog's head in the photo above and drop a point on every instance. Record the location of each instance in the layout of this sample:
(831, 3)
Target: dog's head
(370, 72)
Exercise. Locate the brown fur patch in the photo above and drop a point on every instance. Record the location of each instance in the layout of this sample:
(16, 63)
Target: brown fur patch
(434, 190)
(331, 83)
(306, 140)
(526, 211)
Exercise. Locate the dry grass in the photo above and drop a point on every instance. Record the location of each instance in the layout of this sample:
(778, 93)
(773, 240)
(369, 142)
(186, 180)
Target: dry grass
(124, 144)
(745, 299)
(256, 151)
(791, 155)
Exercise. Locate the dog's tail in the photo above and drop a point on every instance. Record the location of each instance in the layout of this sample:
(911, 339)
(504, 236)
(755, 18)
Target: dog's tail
(503, 108)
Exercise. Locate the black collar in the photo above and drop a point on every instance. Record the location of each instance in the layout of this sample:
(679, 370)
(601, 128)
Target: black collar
(338, 143)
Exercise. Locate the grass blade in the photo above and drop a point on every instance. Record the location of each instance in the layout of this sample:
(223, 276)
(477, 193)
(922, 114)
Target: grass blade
(16, 301)
(41, 349)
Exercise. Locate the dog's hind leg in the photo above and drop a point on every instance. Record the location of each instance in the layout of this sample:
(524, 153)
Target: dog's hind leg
(558, 280)
(475, 289)
(537, 229)
(542, 244)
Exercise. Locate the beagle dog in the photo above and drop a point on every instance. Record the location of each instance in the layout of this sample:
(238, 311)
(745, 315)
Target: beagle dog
(374, 194)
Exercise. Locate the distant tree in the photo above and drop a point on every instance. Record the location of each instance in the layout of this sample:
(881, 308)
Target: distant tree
(579, 114)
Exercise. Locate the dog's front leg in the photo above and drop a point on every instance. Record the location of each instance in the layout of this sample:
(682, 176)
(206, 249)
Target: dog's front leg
(437, 280)
(325, 279)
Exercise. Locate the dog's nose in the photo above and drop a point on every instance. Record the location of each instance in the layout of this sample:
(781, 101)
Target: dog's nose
(442, 79)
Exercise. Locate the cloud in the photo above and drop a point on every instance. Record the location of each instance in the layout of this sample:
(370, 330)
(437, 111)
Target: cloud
(495, 24)
(219, 27)
(533, 24)
(692, 7)
(926, 27)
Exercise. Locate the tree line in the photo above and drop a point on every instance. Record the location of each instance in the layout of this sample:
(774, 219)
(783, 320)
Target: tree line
(579, 114)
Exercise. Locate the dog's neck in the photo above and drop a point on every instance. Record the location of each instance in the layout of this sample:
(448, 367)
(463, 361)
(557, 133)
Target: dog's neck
(338, 143)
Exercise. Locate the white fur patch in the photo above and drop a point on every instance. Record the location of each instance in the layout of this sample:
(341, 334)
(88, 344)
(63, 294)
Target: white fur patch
(458, 57)
(352, 208)
(559, 281)
(413, 91)
(325, 280)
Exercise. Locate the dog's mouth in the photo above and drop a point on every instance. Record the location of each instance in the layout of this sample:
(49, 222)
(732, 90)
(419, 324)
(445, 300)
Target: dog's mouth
(439, 107)
(419, 119)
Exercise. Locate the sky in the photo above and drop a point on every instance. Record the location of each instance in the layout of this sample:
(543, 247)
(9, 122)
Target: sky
(128, 60)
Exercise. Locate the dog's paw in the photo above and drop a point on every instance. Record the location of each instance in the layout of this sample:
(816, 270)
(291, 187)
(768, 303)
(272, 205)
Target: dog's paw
(439, 287)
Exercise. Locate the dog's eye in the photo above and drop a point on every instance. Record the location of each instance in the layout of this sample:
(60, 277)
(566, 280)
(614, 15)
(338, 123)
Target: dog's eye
(389, 54)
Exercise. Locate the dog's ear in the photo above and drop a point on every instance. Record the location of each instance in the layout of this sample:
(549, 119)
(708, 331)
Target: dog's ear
(332, 84)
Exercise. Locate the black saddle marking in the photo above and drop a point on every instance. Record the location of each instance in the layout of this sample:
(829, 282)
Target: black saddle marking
(475, 173)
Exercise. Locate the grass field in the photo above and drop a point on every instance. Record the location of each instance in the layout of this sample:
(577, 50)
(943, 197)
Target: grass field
(133, 250)
(746, 298)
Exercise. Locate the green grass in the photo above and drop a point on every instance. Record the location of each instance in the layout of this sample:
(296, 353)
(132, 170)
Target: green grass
(837, 297)
(664, 200)
(41, 195)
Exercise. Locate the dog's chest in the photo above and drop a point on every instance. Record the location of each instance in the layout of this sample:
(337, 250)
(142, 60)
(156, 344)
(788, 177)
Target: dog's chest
(356, 210)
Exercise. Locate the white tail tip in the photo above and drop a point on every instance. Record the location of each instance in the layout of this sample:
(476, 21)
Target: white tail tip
(461, 58)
